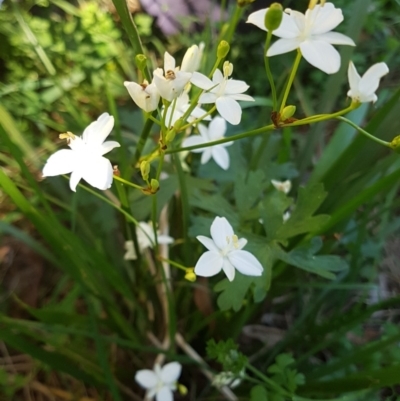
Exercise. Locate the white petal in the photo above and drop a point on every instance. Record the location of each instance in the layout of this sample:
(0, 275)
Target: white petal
(164, 394)
(206, 156)
(208, 243)
(61, 162)
(204, 132)
(282, 46)
(221, 156)
(170, 372)
(209, 264)
(228, 269)
(354, 77)
(74, 179)
(201, 81)
(146, 378)
(242, 97)
(234, 86)
(164, 87)
(193, 141)
(208, 97)
(324, 18)
(169, 62)
(164, 239)
(229, 109)
(242, 242)
(108, 146)
(217, 128)
(257, 18)
(298, 20)
(98, 172)
(370, 80)
(335, 38)
(245, 262)
(221, 231)
(217, 77)
(98, 131)
(191, 60)
(321, 55)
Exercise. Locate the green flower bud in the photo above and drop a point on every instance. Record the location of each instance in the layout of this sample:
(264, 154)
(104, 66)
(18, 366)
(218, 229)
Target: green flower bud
(395, 144)
(223, 49)
(287, 112)
(273, 17)
(154, 184)
(170, 135)
(178, 124)
(141, 61)
(145, 169)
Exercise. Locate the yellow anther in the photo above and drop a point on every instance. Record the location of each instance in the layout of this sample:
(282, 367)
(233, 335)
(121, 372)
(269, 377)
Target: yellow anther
(235, 241)
(68, 136)
(228, 69)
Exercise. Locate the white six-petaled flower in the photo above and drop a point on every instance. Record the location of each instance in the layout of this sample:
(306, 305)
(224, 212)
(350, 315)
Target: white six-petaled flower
(224, 92)
(216, 130)
(225, 253)
(146, 95)
(309, 32)
(161, 382)
(362, 89)
(283, 186)
(85, 158)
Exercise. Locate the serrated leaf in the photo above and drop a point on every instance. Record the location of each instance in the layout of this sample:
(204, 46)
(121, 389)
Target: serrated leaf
(248, 189)
(258, 393)
(302, 220)
(304, 258)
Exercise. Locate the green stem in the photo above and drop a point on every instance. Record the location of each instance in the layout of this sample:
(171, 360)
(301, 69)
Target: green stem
(367, 134)
(198, 119)
(172, 263)
(269, 73)
(224, 140)
(290, 81)
(131, 184)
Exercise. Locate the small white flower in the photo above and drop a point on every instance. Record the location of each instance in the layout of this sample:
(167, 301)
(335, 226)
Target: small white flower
(145, 96)
(145, 238)
(309, 32)
(224, 92)
(362, 89)
(161, 382)
(216, 130)
(170, 85)
(227, 379)
(181, 106)
(283, 186)
(225, 253)
(192, 58)
(85, 158)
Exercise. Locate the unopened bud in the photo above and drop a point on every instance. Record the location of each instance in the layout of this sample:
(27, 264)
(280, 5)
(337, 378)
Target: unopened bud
(273, 17)
(154, 184)
(178, 124)
(182, 389)
(141, 60)
(145, 169)
(190, 274)
(228, 69)
(395, 144)
(170, 135)
(287, 112)
(223, 49)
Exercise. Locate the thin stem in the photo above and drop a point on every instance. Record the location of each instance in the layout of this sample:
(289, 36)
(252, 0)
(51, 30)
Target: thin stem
(131, 184)
(362, 131)
(291, 79)
(171, 262)
(269, 73)
(198, 119)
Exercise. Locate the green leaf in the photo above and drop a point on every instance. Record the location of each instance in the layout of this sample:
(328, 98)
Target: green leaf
(302, 220)
(304, 258)
(248, 188)
(258, 393)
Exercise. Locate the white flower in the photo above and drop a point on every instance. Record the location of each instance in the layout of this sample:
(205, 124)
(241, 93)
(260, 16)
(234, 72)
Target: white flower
(362, 89)
(227, 379)
(311, 33)
(181, 106)
(223, 92)
(225, 252)
(145, 96)
(216, 130)
(161, 382)
(170, 85)
(283, 186)
(145, 239)
(85, 158)
(192, 58)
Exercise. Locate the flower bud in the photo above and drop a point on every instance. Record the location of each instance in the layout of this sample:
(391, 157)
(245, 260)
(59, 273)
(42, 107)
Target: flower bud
(141, 60)
(287, 112)
(243, 3)
(178, 124)
(395, 144)
(182, 389)
(154, 184)
(273, 17)
(145, 169)
(223, 49)
(170, 136)
(190, 275)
